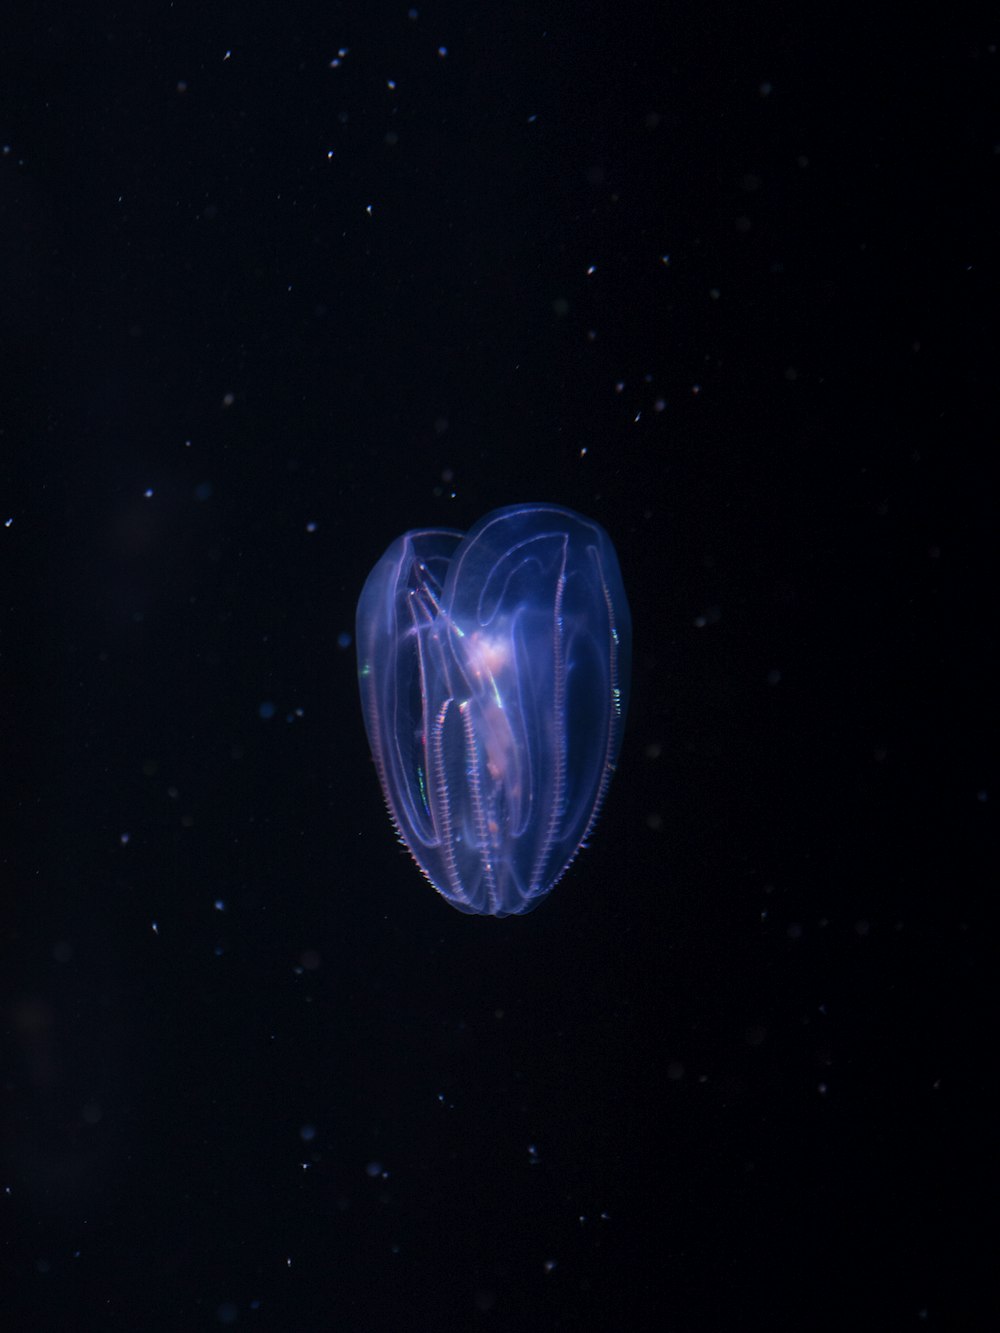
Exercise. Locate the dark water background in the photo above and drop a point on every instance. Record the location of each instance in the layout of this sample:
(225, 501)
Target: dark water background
(720, 279)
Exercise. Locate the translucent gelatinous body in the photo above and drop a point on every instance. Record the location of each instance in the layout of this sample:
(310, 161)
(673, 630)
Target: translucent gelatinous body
(494, 671)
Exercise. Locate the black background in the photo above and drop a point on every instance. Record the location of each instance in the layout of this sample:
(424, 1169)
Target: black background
(735, 1071)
